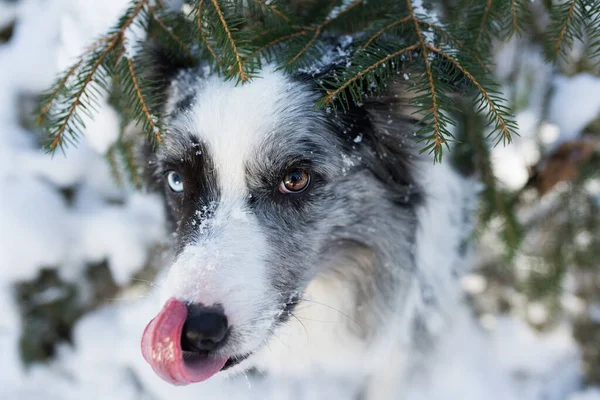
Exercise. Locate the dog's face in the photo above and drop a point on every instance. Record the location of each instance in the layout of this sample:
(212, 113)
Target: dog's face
(258, 184)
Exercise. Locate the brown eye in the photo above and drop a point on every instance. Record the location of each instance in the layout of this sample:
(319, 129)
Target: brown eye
(295, 181)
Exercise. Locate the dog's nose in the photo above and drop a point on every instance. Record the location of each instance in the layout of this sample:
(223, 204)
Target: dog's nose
(204, 329)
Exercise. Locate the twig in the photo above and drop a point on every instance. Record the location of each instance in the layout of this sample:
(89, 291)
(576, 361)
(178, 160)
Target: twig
(501, 123)
(320, 28)
(513, 12)
(113, 41)
(457, 42)
(176, 38)
(438, 139)
(484, 18)
(563, 31)
(273, 10)
(140, 96)
(243, 75)
(59, 87)
(333, 93)
(385, 28)
(58, 135)
(277, 41)
(202, 34)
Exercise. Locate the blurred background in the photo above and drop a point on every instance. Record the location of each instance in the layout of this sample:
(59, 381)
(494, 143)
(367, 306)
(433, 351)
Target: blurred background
(79, 249)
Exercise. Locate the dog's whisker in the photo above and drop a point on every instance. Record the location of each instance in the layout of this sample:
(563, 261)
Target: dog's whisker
(303, 326)
(334, 309)
(281, 341)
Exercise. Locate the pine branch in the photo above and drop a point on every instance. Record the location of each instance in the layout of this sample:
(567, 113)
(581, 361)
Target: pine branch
(242, 74)
(66, 125)
(449, 37)
(559, 39)
(484, 19)
(438, 124)
(517, 11)
(504, 126)
(332, 94)
(147, 115)
(198, 20)
(54, 93)
(513, 14)
(592, 11)
(92, 75)
(277, 41)
(384, 29)
(319, 29)
(272, 9)
(169, 31)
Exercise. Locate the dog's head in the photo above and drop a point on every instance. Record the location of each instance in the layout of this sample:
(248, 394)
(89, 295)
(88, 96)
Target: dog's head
(260, 187)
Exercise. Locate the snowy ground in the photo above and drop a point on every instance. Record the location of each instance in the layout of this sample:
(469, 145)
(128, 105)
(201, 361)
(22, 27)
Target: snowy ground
(39, 229)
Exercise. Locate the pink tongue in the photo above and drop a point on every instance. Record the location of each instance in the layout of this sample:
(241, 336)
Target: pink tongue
(162, 349)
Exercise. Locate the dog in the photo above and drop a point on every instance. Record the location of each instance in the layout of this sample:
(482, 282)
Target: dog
(306, 240)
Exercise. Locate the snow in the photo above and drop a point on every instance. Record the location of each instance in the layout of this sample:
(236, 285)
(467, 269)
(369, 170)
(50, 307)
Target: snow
(39, 227)
(575, 103)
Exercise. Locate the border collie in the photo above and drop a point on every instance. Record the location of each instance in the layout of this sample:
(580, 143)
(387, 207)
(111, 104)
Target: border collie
(307, 240)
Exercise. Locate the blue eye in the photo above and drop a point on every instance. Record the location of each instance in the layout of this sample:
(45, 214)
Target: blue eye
(175, 182)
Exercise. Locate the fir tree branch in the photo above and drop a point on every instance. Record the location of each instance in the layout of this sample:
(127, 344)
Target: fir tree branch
(382, 30)
(565, 25)
(70, 113)
(484, 18)
(59, 87)
(240, 66)
(198, 20)
(514, 16)
(501, 124)
(272, 9)
(165, 28)
(438, 139)
(150, 120)
(322, 26)
(58, 133)
(331, 94)
(277, 41)
(457, 42)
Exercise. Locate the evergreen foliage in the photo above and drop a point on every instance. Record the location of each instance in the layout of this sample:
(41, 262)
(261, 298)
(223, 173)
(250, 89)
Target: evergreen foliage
(445, 48)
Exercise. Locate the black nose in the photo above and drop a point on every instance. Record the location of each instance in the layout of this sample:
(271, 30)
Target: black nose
(204, 329)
